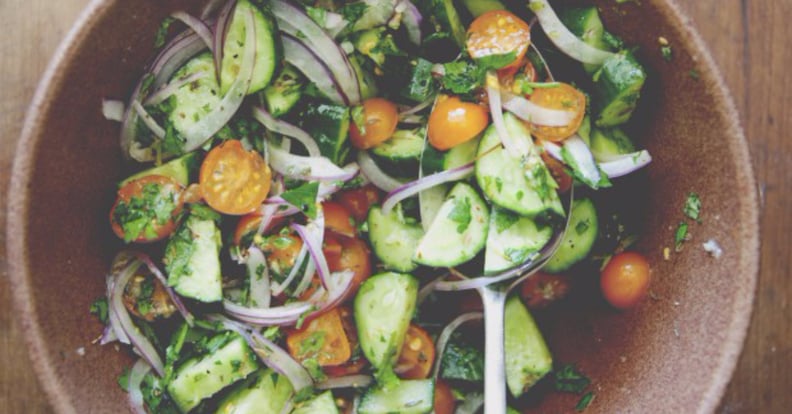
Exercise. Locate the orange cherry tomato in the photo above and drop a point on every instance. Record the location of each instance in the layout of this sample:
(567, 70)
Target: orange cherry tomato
(444, 402)
(359, 200)
(233, 180)
(354, 256)
(380, 117)
(498, 32)
(356, 362)
(543, 289)
(625, 280)
(246, 227)
(417, 354)
(281, 251)
(147, 209)
(338, 219)
(563, 97)
(322, 338)
(453, 122)
(562, 178)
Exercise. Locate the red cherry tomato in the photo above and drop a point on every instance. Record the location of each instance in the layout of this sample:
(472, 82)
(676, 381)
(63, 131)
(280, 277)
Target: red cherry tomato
(359, 200)
(444, 402)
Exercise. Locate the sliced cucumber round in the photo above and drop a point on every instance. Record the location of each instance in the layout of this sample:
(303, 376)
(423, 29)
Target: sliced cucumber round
(578, 239)
(266, 48)
(394, 240)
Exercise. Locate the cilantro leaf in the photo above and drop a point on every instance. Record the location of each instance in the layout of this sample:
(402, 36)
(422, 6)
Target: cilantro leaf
(462, 77)
(304, 198)
(162, 32)
(99, 308)
(585, 401)
(460, 214)
(692, 207)
(681, 235)
(504, 219)
(569, 379)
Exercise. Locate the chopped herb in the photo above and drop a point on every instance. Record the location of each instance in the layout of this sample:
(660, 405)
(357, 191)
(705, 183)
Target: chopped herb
(99, 308)
(235, 365)
(692, 207)
(144, 212)
(162, 32)
(317, 14)
(460, 214)
(504, 219)
(585, 401)
(517, 255)
(497, 61)
(581, 227)
(680, 236)
(314, 369)
(694, 74)
(304, 198)
(353, 11)
(123, 379)
(569, 379)
(666, 52)
(359, 118)
(462, 77)
(311, 345)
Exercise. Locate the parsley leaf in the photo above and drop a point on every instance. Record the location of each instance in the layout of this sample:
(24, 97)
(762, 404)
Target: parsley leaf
(352, 12)
(304, 198)
(460, 214)
(99, 308)
(667, 53)
(681, 235)
(569, 379)
(462, 77)
(162, 32)
(585, 401)
(692, 207)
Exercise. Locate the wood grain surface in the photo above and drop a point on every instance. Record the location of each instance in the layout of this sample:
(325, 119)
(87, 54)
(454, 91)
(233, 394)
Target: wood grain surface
(749, 40)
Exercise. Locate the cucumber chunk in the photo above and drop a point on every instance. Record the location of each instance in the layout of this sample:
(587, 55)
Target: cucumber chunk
(585, 23)
(436, 161)
(479, 7)
(200, 378)
(400, 154)
(523, 186)
(512, 239)
(284, 92)
(267, 393)
(393, 239)
(329, 125)
(180, 169)
(321, 404)
(192, 102)
(617, 88)
(578, 239)
(443, 14)
(384, 306)
(408, 397)
(608, 144)
(192, 260)
(430, 201)
(527, 357)
(233, 48)
(458, 232)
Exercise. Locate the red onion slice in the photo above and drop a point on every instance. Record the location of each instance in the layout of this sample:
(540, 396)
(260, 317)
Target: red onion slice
(307, 277)
(279, 288)
(198, 26)
(312, 236)
(284, 315)
(517, 148)
(577, 155)
(411, 18)
(565, 40)
(349, 381)
(415, 109)
(173, 56)
(198, 133)
(284, 128)
(533, 113)
(307, 168)
(167, 90)
(280, 361)
(310, 64)
(113, 110)
(626, 164)
(445, 336)
(136, 376)
(413, 188)
(112, 332)
(211, 7)
(188, 317)
(259, 279)
(373, 173)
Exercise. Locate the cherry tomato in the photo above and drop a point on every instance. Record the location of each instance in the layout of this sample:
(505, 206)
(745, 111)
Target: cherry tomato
(322, 338)
(453, 122)
(146, 297)
(354, 256)
(625, 280)
(246, 227)
(281, 251)
(563, 97)
(147, 209)
(233, 180)
(498, 32)
(379, 120)
(417, 354)
(359, 200)
(558, 172)
(542, 289)
(338, 219)
(444, 402)
(356, 362)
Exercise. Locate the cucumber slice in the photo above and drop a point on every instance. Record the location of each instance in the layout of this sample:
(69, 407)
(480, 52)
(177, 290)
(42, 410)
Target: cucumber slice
(585, 23)
(435, 161)
(458, 232)
(511, 240)
(608, 144)
(527, 357)
(200, 378)
(393, 239)
(192, 260)
(268, 393)
(329, 125)
(523, 186)
(192, 102)
(179, 169)
(404, 145)
(617, 88)
(284, 92)
(443, 13)
(578, 239)
(266, 48)
(384, 306)
(421, 85)
(321, 404)
(408, 397)
(368, 86)
(479, 7)
(431, 200)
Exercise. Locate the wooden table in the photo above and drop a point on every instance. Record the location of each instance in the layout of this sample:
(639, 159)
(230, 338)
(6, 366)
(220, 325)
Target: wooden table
(750, 42)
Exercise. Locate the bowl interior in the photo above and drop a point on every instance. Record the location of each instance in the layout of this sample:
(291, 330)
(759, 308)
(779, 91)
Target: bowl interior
(683, 342)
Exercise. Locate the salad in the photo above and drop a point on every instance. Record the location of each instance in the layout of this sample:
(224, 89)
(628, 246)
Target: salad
(315, 187)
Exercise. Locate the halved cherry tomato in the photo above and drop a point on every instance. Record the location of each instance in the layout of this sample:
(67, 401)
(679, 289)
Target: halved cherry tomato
(417, 354)
(379, 120)
(542, 289)
(323, 338)
(246, 227)
(563, 97)
(233, 180)
(444, 402)
(146, 298)
(355, 256)
(339, 219)
(356, 362)
(453, 122)
(498, 32)
(281, 251)
(625, 280)
(359, 200)
(147, 209)
(558, 172)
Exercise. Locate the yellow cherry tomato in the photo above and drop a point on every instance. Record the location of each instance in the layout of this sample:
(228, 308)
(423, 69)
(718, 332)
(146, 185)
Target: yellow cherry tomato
(453, 122)
(563, 97)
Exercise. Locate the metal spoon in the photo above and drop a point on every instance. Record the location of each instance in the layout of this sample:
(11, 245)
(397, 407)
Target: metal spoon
(494, 297)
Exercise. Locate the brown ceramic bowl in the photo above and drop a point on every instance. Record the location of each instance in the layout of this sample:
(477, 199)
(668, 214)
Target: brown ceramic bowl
(674, 353)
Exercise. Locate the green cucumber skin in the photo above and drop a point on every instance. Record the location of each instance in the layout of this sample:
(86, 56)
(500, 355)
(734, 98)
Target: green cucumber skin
(180, 169)
(527, 357)
(201, 279)
(610, 143)
(267, 49)
(586, 24)
(617, 88)
(268, 393)
(392, 240)
(579, 238)
(284, 92)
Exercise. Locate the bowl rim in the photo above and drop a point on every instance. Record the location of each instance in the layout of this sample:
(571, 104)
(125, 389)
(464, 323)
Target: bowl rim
(51, 81)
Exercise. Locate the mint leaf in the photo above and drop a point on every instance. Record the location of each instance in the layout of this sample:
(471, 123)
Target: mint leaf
(304, 198)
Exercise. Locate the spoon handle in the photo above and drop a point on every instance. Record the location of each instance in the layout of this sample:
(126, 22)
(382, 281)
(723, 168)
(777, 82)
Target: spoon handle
(494, 300)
